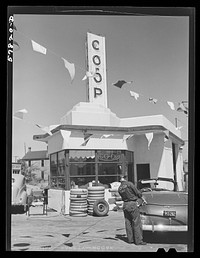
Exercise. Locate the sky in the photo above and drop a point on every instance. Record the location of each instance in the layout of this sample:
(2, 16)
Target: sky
(151, 51)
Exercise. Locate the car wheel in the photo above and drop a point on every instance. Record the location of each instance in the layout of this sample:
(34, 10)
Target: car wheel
(100, 208)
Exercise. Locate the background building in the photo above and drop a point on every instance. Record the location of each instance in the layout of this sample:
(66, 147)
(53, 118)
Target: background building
(38, 163)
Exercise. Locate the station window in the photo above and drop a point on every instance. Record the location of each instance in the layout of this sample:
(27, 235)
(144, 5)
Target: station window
(79, 167)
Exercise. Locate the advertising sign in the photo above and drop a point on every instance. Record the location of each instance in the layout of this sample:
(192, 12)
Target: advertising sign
(96, 61)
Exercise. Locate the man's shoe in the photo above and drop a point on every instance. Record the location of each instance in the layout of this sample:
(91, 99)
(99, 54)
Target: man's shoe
(142, 243)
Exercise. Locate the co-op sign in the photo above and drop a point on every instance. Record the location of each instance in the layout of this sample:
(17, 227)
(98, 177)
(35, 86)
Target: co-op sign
(97, 88)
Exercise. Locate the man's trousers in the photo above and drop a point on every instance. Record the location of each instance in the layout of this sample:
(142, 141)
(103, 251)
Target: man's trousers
(132, 222)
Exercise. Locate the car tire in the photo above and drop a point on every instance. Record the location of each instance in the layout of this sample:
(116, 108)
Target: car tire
(100, 208)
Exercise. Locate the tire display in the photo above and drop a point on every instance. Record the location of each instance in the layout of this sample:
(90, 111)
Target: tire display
(78, 202)
(95, 193)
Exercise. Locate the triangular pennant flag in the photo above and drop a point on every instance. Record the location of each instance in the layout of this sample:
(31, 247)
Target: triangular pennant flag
(171, 104)
(149, 137)
(120, 83)
(15, 46)
(15, 43)
(86, 139)
(45, 129)
(182, 108)
(51, 127)
(166, 138)
(106, 136)
(152, 100)
(134, 94)
(14, 27)
(66, 136)
(178, 128)
(128, 136)
(20, 113)
(88, 74)
(38, 48)
(70, 67)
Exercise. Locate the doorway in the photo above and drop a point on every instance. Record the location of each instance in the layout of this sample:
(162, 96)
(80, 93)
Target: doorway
(143, 172)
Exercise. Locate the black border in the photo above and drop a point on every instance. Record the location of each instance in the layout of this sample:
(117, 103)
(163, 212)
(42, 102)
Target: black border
(109, 10)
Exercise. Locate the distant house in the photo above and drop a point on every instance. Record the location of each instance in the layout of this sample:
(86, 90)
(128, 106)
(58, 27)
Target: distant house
(39, 161)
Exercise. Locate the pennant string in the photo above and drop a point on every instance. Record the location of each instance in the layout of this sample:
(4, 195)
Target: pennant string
(49, 50)
(118, 84)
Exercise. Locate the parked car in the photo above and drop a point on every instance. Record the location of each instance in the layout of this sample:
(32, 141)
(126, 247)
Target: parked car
(165, 208)
(19, 194)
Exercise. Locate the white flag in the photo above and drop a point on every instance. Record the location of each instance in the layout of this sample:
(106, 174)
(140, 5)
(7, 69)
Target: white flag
(86, 139)
(20, 113)
(87, 75)
(182, 108)
(178, 128)
(166, 138)
(70, 67)
(149, 137)
(152, 100)
(128, 136)
(171, 104)
(134, 94)
(38, 48)
(45, 129)
(106, 136)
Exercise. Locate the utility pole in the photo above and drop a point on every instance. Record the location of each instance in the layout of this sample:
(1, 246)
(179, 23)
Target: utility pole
(25, 148)
(176, 122)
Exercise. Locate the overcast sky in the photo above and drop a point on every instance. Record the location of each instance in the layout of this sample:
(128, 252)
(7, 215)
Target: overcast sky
(152, 51)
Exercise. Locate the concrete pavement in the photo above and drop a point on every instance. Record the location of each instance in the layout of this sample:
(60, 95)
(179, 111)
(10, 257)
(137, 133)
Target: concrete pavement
(56, 232)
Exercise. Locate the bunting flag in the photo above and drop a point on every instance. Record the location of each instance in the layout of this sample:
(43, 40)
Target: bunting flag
(14, 27)
(88, 74)
(149, 137)
(134, 94)
(70, 67)
(128, 136)
(106, 136)
(152, 100)
(66, 136)
(86, 139)
(182, 108)
(45, 129)
(15, 46)
(20, 113)
(38, 48)
(120, 83)
(179, 128)
(171, 104)
(166, 138)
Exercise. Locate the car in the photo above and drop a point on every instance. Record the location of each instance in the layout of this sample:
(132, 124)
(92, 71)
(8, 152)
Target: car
(19, 194)
(164, 209)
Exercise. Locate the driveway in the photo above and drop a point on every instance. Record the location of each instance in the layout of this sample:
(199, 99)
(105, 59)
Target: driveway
(57, 232)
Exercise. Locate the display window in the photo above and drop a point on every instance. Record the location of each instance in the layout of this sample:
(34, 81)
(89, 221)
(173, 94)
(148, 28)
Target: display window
(77, 168)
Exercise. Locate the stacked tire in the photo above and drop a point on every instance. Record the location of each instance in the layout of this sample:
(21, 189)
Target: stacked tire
(97, 206)
(78, 202)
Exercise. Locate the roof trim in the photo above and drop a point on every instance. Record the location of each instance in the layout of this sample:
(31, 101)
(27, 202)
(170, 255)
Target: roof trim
(87, 128)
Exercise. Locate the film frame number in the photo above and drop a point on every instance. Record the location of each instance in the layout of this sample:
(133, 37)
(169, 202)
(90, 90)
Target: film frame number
(10, 38)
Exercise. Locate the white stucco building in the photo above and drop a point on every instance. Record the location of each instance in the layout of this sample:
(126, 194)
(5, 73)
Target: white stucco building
(93, 144)
(115, 146)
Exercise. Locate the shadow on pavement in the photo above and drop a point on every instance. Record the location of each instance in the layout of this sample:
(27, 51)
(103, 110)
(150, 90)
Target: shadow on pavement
(122, 237)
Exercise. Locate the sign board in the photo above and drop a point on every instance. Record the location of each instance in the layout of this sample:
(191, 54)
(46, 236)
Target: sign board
(96, 64)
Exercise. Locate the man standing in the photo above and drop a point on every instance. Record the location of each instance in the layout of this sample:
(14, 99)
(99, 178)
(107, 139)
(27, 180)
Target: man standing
(130, 195)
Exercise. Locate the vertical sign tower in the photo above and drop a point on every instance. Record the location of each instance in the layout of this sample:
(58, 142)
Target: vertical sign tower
(96, 64)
